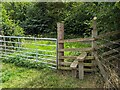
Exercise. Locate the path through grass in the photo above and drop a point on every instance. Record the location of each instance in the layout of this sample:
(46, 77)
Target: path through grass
(19, 77)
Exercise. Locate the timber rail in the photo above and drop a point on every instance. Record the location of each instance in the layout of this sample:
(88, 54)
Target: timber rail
(103, 53)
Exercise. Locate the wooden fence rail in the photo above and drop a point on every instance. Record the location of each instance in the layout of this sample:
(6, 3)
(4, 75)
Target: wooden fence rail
(77, 40)
(76, 49)
(89, 56)
(76, 64)
(74, 57)
(107, 54)
(112, 33)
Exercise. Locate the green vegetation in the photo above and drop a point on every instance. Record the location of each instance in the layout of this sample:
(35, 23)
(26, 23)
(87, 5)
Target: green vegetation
(19, 77)
(9, 26)
(38, 18)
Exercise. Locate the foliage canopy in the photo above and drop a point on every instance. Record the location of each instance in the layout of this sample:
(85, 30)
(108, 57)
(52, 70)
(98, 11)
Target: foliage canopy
(41, 17)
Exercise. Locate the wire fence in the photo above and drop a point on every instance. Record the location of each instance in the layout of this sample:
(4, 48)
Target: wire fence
(42, 50)
(108, 51)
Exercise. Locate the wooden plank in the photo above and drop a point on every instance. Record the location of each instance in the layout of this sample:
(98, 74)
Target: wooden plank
(76, 49)
(68, 68)
(108, 44)
(66, 63)
(74, 67)
(77, 40)
(81, 70)
(80, 59)
(90, 58)
(113, 57)
(108, 34)
(103, 72)
(64, 68)
(110, 51)
(69, 63)
(74, 73)
(60, 36)
(68, 57)
(74, 64)
(82, 56)
(74, 57)
(89, 70)
(88, 64)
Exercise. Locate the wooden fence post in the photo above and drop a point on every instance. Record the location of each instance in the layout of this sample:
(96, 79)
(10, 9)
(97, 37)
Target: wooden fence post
(94, 35)
(94, 32)
(94, 45)
(60, 36)
(81, 69)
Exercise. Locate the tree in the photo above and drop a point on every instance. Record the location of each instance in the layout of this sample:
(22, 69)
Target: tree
(8, 25)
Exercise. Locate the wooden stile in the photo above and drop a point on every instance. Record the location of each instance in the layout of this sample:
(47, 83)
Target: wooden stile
(78, 62)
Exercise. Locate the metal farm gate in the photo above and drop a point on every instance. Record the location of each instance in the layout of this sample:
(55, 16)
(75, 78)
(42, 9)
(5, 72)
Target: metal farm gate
(30, 49)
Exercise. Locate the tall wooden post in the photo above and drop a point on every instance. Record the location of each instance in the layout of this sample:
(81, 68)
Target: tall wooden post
(60, 36)
(94, 32)
(94, 35)
(95, 54)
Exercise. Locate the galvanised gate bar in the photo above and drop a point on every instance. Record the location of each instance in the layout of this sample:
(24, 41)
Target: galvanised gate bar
(41, 50)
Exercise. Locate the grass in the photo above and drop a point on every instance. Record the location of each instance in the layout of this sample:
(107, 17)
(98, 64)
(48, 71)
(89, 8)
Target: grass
(19, 77)
(22, 77)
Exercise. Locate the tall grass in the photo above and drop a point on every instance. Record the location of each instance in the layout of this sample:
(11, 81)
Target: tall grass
(21, 77)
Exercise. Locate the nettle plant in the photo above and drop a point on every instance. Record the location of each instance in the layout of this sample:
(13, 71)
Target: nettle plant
(21, 61)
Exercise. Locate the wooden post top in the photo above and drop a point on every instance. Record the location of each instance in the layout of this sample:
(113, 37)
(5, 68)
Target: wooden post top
(60, 26)
(95, 18)
(61, 22)
(94, 31)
